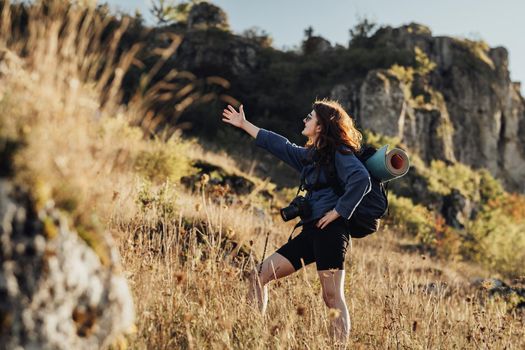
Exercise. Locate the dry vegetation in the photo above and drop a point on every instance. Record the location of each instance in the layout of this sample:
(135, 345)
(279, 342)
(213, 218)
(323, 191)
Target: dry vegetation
(188, 280)
(191, 293)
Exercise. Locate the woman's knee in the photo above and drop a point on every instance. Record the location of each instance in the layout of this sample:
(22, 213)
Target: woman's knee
(263, 275)
(331, 298)
(332, 286)
(274, 267)
(255, 278)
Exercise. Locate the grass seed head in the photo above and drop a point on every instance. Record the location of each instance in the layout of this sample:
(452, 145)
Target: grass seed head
(180, 276)
(334, 313)
(301, 310)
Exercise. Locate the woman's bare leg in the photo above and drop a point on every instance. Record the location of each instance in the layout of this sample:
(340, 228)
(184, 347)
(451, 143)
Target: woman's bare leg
(274, 267)
(332, 282)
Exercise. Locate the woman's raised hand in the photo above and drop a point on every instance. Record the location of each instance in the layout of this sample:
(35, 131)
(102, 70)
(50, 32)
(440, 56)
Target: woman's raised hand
(231, 116)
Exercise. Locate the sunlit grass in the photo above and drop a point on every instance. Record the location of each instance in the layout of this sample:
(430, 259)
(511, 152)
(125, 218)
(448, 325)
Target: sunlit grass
(192, 295)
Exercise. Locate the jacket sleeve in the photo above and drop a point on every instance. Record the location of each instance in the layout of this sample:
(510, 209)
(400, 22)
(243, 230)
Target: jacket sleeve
(283, 149)
(356, 181)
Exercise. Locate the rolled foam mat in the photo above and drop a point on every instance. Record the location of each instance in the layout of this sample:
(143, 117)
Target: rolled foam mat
(388, 165)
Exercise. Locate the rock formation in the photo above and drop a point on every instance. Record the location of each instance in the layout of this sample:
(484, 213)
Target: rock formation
(55, 291)
(466, 109)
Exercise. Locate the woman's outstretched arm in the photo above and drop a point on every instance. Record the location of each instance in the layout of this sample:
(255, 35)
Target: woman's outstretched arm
(238, 119)
(276, 144)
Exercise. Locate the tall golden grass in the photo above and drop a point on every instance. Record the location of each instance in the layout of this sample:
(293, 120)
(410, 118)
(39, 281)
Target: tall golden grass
(59, 97)
(192, 294)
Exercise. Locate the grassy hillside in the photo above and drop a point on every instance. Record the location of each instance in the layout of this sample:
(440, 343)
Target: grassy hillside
(188, 245)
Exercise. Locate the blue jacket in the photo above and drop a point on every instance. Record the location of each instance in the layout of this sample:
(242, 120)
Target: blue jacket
(352, 174)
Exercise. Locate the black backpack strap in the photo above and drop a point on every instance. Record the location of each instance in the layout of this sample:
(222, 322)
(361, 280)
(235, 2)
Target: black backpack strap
(317, 185)
(332, 179)
(384, 188)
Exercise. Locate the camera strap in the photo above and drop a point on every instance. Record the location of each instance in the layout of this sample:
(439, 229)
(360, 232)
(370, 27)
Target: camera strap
(295, 227)
(301, 188)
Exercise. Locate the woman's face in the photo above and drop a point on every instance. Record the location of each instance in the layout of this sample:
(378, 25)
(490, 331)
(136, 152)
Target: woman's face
(311, 128)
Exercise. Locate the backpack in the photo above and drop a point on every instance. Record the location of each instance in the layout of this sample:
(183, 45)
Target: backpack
(373, 207)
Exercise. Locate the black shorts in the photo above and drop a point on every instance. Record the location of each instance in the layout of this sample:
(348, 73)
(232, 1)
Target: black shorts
(327, 247)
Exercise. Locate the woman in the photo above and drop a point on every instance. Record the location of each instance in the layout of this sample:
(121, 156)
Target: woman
(332, 137)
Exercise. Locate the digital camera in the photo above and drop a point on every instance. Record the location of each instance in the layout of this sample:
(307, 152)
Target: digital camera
(298, 207)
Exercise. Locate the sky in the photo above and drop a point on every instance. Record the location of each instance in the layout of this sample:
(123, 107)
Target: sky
(499, 23)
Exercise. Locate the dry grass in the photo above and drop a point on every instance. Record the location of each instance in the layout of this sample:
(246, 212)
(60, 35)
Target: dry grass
(188, 282)
(191, 294)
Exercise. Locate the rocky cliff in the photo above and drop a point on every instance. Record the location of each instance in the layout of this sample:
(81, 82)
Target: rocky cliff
(466, 109)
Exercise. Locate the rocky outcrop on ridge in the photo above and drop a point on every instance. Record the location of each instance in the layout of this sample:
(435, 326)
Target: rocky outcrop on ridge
(466, 109)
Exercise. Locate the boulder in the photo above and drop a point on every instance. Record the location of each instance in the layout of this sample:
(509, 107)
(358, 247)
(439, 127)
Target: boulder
(457, 209)
(56, 291)
(513, 294)
(218, 182)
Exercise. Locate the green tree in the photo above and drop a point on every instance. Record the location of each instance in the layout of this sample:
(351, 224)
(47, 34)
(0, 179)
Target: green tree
(259, 36)
(361, 31)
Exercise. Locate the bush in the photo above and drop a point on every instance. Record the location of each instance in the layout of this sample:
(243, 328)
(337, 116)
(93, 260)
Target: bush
(164, 161)
(412, 219)
(423, 64)
(378, 140)
(489, 187)
(497, 242)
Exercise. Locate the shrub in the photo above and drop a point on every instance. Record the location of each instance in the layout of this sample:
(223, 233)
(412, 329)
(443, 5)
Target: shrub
(378, 140)
(414, 220)
(157, 201)
(443, 178)
(496, 242)
(489, 187)
(423, 64)
(163, 161)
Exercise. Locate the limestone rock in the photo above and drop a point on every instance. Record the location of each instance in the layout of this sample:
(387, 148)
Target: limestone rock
(55, 292)
(457, 209)
(219, 183)
(513, 294)
(383, 105)
(386, 109)
(473, 112)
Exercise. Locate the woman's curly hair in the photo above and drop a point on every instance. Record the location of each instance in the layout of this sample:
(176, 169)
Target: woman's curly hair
(337, 129)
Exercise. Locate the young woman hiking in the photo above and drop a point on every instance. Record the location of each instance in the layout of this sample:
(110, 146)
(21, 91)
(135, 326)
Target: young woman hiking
(332, 138)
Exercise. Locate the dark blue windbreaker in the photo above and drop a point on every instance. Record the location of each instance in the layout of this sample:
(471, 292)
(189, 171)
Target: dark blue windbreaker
(351, 173)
